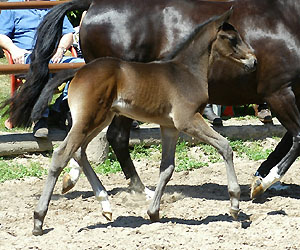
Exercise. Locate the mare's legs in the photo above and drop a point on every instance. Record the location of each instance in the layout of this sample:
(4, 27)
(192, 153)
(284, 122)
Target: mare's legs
(169, 139)
(197, 127)
(275, 157)
(118, 137)
(283, 105)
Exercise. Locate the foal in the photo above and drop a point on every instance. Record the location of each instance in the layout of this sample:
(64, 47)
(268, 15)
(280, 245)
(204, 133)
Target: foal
(170, 92)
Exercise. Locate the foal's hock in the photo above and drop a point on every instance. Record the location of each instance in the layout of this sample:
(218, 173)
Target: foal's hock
(109, 86)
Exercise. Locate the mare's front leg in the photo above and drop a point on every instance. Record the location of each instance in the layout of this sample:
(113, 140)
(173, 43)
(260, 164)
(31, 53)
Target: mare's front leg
(169, 138)
(283, 105)
(197, 127)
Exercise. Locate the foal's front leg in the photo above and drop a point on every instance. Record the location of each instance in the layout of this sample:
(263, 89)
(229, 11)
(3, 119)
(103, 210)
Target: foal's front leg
(169, 138)
(197, 127)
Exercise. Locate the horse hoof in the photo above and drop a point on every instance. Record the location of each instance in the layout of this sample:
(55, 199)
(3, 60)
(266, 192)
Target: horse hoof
(107, 215)
(154, 217)
(37, 231)
(256, 187)
(67, 183)
(234, 213)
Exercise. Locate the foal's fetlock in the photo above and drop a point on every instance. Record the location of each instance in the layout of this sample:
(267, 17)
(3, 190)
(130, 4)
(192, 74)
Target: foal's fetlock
(234, 212)
(154, 216)
(102, 197)
(38, 224)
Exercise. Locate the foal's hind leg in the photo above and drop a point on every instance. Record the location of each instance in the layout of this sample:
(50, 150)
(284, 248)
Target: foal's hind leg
(169, 139)
(197, 127)
(60, 158)
(283, 104)
(98, 189)
(81, 157)
(118, 137)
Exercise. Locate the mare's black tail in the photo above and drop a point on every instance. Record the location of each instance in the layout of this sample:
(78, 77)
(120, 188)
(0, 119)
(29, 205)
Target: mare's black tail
(47, 92)
(48, 35)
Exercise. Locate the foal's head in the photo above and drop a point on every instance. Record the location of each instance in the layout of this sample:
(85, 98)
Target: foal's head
(229, 45)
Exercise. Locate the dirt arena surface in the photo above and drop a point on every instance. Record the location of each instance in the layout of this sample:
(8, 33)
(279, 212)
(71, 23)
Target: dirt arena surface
(194, 213)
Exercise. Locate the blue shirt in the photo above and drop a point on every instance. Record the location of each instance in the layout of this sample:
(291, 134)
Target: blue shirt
(21, 25)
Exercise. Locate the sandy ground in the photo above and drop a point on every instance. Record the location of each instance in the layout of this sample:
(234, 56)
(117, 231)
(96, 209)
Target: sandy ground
(194, 213)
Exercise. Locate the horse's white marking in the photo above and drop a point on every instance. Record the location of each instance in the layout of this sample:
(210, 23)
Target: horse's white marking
(75, 171)
(271, 178)
(102, 197)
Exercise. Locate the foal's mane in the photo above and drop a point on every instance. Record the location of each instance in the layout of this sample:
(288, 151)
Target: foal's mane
(185, 42)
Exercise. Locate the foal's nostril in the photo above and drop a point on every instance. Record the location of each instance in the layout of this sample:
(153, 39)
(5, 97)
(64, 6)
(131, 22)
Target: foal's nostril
(255, 63)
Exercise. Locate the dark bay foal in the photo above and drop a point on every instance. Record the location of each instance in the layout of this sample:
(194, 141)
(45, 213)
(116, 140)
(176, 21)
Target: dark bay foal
(171, 93)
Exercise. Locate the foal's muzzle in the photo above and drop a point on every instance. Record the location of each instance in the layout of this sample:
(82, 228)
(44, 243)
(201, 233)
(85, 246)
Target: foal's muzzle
(250, 63)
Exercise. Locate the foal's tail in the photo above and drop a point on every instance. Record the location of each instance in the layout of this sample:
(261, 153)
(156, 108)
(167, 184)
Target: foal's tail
(47, 92)
(48, 35)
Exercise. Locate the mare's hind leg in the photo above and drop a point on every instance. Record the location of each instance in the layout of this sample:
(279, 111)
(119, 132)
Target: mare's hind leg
(118, 137)
(283, 105)
(60, 158)
(169, 139)
(197, 127)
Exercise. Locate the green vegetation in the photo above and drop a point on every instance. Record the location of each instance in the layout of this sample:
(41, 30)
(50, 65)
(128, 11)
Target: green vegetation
(10, 170)
(185, 160)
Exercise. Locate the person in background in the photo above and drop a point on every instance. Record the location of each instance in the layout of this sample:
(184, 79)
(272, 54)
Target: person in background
(17, 35)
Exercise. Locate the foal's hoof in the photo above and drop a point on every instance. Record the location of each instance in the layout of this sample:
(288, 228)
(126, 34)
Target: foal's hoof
(37, 231)
(154, 217)
(107, 215)
(67, 183)
(234, 213)
(256, 187)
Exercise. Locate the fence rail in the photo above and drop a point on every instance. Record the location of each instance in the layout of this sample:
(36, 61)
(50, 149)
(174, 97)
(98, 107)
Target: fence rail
(23, 68)
(29, 5)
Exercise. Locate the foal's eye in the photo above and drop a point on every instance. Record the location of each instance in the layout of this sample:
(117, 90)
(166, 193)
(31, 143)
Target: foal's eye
(233, 41)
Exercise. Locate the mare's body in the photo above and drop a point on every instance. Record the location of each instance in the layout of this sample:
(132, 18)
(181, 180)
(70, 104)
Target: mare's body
(140, 31)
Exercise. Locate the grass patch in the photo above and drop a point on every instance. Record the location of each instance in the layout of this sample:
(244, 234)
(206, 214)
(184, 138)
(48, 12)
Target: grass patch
(183, 160)
(11, 170)
(253, 150)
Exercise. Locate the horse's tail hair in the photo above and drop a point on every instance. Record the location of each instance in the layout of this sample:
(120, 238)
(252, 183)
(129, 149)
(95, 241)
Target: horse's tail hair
(47, 37)
(48, 91)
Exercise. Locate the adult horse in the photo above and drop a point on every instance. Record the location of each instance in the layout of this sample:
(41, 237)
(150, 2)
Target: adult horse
(140, 31)
(110, 86)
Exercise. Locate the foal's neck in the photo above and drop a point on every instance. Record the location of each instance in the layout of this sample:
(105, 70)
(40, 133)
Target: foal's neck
(195, 55)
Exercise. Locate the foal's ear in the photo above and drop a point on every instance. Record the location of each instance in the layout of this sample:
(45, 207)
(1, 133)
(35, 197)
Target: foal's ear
(223, 18)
